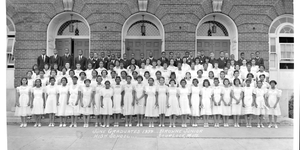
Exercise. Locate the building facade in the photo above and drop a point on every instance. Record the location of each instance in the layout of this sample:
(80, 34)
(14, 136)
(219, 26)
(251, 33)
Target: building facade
(136, 26)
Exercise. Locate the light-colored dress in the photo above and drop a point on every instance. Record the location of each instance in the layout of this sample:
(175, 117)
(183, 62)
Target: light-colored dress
(184, 100)
(51, 102)
(107, 101)
(260, 101)
(117, 99)
(97, 106)
(63, 97)
(174, 108)
(195, 100)
(139, 108)
(24, 109)
(38, 101)
(272, 95)
(217, 91)
(86, 99)
(206, 93)
(226, 110)
(162, 99)
(128, 99)
(151, 109)
(236, 109)
(72, 109)
(248, 99)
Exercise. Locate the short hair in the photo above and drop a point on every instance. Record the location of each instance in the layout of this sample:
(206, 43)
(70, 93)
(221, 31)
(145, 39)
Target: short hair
(206, 80)
(65, 79)
(52, 78)
(117, 77)
(248, 80)
(226, 79)
(22, 79)
(250, 74)
(42, 71)
(157, 72)
(72, 71)
(171, 81)
(87, 80)
(104, 71)
(182, 80)
(235, 71)
(216, 79)
(95, 71)
(273, 81)
(236, 79)
(199, 71)
(146, 72)
(82, 73)
(129, 77)
(140, 77)
(195, 80)
(106, 82)
(262, 66)
(124, 72)
(262, 75)
(150, 79)
(75, 77)
(38, 80)
(242, 53)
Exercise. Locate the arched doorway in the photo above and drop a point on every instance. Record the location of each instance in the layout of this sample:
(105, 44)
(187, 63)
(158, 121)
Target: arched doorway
(137, 42)
(68, 30)
(225, 37)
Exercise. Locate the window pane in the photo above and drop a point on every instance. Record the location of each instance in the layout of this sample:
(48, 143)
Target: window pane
(273, 45)
(10, 43)
(272, 61)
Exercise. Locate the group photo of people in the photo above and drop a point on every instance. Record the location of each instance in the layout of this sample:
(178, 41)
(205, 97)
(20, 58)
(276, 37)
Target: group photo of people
(103, 89)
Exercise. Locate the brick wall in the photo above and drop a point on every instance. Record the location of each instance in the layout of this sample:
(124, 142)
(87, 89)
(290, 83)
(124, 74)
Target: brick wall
(106, 18)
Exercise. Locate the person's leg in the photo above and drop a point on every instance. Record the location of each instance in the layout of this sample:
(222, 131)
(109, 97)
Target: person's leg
(170, 118)
(84, 119)
(141, 120)
(275, 119)
(185, 119)
(118, 119)
(237, 119)
(246, 119)
(182, 122)
(130, 118)
(250, 119)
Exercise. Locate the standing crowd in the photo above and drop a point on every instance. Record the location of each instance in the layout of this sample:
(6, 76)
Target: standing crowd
(111, 86)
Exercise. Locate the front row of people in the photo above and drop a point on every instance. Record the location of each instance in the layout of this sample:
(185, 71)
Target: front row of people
(151, 100)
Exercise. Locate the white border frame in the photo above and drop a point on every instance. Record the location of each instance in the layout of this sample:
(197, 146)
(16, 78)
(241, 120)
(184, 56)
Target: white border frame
(136, 17)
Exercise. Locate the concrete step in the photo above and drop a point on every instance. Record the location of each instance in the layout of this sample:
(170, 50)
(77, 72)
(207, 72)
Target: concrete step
(14, 119)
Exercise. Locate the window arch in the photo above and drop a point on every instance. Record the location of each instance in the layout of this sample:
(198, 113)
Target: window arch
(11, 32)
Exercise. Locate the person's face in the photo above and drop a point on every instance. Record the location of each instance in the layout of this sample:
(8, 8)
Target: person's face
(67, 51)
(259, 84)
(113, 74)
(202, 53)
(226, 55)
(132, 55)
(139, 80)
(257, 54)
(143, 65)
(128, 79)
(248, 83)
(253, 62)
(124, 56)
(237, 67)
(161, 80)
(222, 75)
(153, 63)
(187, 54)
(188, 75)
(205, 66)
(261, 68)
(79, 52)
(67, 65)
(102, 54)
(150, 81)
(64, 70)
(71, 73)
(216, 82)
(55, 66)
(244, 62)
(87, 83)
(172, 62)
(172, 83)
(272, 85)
(103, 73)
(236, 82)
(158, 63)
(54, 51)
(118, 80)
(132, 61)
(46, 67)
(52, 81)
(90, 66)
(74, 80)
(92, 54)
(252, 55)
(99, 79)
(38, 83)
(243, 55)
(198, 53)
(195, 83)
(216, 65)
(142, 55)
(193, 65)
(199, 73)
(101, 64)
(78, 66)
(184, 60)
(249, 67)
(82, 76)
(95, 55)
(225, 69)
(108, 53)
(206, 84)
(212, 55)
(158, 75)
(123, 74)
(63, 82)
(236, 74)
(94, 74)
(107, 85)
(147, 75)
(24, 80)
(150, 54)
(197, 61)
(183, 84)
(262, 78)
(29, 74)
(222, 54)
(43, 51)
(226, 82)
(118, 55)
(232, 56)
(211, 74)
(178, 55)
(165, 66)
(179, 65)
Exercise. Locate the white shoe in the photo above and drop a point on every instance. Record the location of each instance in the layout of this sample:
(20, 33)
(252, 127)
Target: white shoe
(71, 125)
(50, 125)
(35, 125)
(126, 125)
(87, 125)
(21, 126)
(170, 126)
(163, 125)
(237, 125)
(107, 126)
(96, 125)
(153, 125)
(141, 124)
(258, 125)
(25, 125)
(270, 126)
(64, 125)
(130, 124)
(60, 125)
(138, 125)
(196, 125)
(75, 125)
(182, 125)
(262, 125)
(159, 125)
(275, 126)
(39, 125)
(150, 125)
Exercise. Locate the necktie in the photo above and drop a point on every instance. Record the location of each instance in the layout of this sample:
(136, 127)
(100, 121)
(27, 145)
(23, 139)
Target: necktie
(43, 56)
(79, 57)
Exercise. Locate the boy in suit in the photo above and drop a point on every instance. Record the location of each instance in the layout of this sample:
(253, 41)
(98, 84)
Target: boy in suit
(42, 60)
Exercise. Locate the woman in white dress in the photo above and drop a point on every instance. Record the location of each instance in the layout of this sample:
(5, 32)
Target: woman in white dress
(139, 109)
(94, 78)
(128, 101)
(43, 79)
(185, 67)
(195, 100)
(165, 72)
(37, 102)
(216, 99)
(47, 70)
(63, 96)
(260, 102)
(51, 101)
(173, 102)
(180, 74)
(117, 109)
(23, 102)
(248, 103)
(101, 67)
(273, 96)
(171, 66)
(227, 100)
(72, 108)
(107, 103)
(161, 93)
(142, 70)
(198, 66)
(30, 80)
(87, 98)
(78, 70)
(185, 101)
(188, 79)
(206, 101)
(151, 102)
(89, 70)
(236, 105)
(193, 70)
(97, 106)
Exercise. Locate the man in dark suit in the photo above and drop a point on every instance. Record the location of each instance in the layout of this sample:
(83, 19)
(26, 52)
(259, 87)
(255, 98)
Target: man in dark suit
(54, 59)
(163, 58)
(252, 56)
(212, 58)
(171, 55)
(151, 57)
(178, 59)
(107, 60)
(80, 59)
(125, 61)
(42, 60)
(202, 57)
(222, 61)
(67, 58)
(96, 61)
(258, 60)
(90, 59)
(242, 57)
(190, 58)
(142, 59)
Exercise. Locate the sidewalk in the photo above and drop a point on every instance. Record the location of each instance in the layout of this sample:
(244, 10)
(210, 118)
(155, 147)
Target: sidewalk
(140, 138)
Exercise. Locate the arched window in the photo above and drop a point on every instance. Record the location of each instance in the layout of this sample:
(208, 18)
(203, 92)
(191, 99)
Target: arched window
(11, 32)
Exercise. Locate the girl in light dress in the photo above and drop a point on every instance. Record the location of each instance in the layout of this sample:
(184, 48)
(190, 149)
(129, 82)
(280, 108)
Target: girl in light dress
(195, 100)
(153, 69)
(200, 78)
(37, 102)
(123, 78)
(211, 77)
(185, 67)
(30, 80)
(205, 71)
(260, 100)
(63, 74)
(63, 96)
(148, 66)
(51, 100)
(112, 80)
(55, 67)
(226, 98)
(206, 101)
(243, 69)
(165, 72)
(185, 101)
(180, 74)
(78, 70)
(23, 102)
(216, 70)
(128, 101)
(139, 109)
(236, 106)
(248, 102)
(67, 66)
(93, 79)
(171, 66)
(142, 70)
(35, 71)
(117, 67)
(72, 108)
(251, 78)
(198, 66)
(254, 68)
(89, 70)
(47, 70)
(173, 104)
(87, 98)
(273, 96)
(217, 100)
(134, 78)
(146, 78)
(161, 93)
(117, 110)
(193, 70)
(151, 102)
(107, 103)
(101, 67)
(159, 65)
(265, 85)
(71, 76)
(43, 78)
(104, 76)
(82, 78)
(188, 79)
(97, 105)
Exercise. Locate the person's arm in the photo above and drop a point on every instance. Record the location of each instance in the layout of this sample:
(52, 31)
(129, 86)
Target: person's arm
(122, 98)
(91, 99)
(156, 98)
(146, 97)
(168, 103)
(277, 101)
(78, 98)
(32, 97)
(231, 97)
(241, 97)
(101, 101)
(17, 99)
(190, 101)
(44, 100)
(254, 100)
(133, 96)
(38, 62)
(57, 99)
